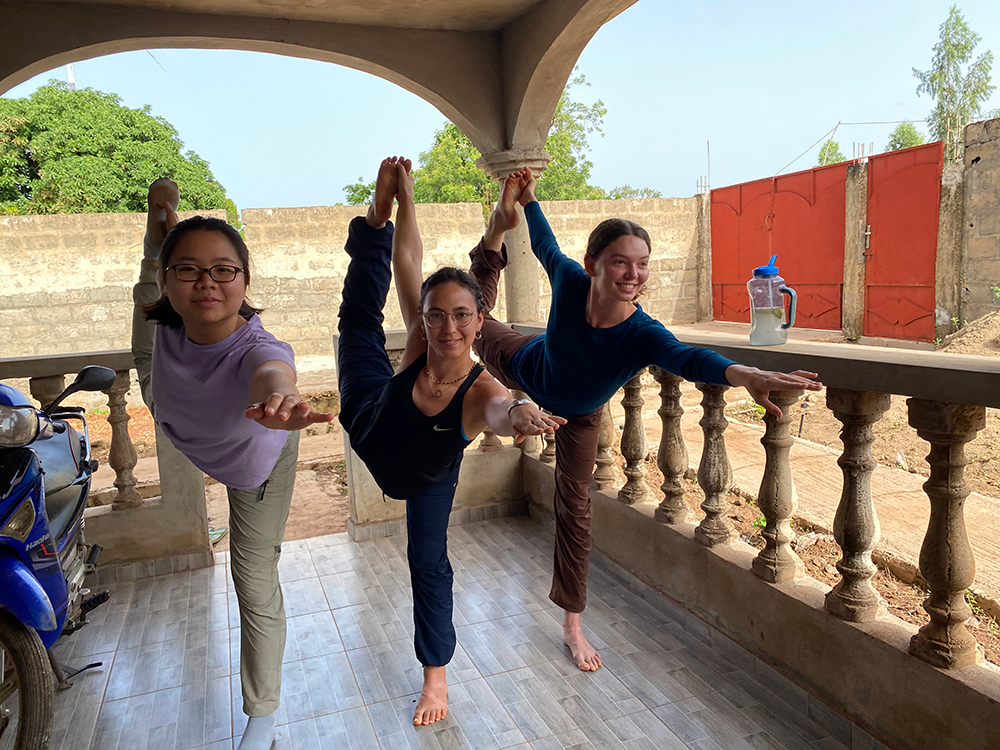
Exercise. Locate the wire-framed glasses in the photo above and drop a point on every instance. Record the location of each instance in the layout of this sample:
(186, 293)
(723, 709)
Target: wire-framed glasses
(436, 318)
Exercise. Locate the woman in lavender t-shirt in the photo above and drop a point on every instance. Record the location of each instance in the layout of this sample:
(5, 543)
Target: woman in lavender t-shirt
(223, 390)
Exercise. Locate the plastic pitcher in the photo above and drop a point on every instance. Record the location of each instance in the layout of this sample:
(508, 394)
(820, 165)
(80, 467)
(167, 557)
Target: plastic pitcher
(767, 306)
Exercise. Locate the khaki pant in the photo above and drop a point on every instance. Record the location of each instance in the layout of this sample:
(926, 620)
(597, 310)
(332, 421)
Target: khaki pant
(257, 525)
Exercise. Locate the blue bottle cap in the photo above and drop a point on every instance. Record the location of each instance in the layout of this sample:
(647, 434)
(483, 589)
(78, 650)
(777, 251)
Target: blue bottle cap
(769, 270)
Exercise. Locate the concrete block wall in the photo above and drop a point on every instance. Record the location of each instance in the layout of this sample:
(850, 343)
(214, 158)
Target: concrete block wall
(981, 230)
(671, 294)
(66, 280)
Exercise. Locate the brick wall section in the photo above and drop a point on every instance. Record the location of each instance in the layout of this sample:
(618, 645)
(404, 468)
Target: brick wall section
(981, 230)
(65, 281)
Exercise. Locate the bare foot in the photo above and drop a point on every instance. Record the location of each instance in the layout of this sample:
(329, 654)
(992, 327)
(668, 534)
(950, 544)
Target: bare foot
(386, 185)
(585, 656)
(433, 703)
(163, 193)
(505, 215)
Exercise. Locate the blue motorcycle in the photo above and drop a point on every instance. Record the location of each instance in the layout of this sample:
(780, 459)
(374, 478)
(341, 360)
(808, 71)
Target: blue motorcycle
(45, 472)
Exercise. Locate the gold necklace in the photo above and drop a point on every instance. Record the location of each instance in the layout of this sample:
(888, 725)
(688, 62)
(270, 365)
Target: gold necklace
(437, 392)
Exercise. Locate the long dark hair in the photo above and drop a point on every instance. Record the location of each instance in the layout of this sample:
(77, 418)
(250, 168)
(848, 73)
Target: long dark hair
(161, 311)
(460, 277)
(610, 230)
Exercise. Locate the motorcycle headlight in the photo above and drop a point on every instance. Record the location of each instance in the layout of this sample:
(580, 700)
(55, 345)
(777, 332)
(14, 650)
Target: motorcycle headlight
(18, 426)
(21, 522)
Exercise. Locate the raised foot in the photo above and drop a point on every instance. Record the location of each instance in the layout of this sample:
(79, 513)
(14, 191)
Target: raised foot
(162, 193)
(505, 215)
(386, 186)
(433, 703)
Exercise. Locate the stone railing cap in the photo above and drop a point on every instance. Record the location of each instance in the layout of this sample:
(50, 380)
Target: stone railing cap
(936, 376)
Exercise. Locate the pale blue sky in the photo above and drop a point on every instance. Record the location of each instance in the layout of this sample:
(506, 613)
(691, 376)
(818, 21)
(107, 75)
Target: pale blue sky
(761, 81)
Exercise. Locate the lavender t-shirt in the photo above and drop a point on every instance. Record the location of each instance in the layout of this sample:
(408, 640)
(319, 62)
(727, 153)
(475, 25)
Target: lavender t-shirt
(201, 393)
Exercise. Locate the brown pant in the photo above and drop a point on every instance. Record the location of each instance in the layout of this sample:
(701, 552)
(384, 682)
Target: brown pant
(576, 445)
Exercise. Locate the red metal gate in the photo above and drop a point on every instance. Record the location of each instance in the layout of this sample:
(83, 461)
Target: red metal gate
(799, 217)
(904, 198)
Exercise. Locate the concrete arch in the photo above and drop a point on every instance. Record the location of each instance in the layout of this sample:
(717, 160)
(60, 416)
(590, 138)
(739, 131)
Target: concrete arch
(456, 71)
(499, 85)
(539, 51)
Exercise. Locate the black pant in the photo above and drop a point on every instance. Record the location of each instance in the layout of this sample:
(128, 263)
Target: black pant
(363, 369)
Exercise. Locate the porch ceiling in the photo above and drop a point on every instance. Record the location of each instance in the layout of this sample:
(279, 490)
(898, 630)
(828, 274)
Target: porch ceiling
(496, 69)
(468, 15)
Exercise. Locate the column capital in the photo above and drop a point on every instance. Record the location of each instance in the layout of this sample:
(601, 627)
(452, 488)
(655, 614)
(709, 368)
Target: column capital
(502, 163)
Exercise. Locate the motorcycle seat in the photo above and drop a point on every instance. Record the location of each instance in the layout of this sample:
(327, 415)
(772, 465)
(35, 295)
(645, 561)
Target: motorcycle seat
(60, 457)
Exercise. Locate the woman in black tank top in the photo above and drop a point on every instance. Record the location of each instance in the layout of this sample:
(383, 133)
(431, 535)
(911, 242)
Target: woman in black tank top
(411, 428)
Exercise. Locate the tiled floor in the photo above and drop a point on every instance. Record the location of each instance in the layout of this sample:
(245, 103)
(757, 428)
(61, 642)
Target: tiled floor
(170, 647)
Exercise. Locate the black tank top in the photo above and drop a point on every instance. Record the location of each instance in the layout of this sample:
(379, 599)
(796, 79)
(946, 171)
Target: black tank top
(406, 451)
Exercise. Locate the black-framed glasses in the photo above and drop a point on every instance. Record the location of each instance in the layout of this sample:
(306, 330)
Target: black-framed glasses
(436, 318)
(191, 272)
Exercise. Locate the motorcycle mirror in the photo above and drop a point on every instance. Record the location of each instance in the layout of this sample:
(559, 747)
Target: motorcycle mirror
(90, 378)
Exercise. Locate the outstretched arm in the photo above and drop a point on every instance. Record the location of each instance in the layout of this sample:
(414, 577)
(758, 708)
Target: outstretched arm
(275, 401)
(495, 411)
(759, 383)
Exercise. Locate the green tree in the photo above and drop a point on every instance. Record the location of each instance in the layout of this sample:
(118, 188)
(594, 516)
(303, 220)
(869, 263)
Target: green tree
(64, 151)
(359, 193)
(905, 135)
(447, 172)
(959, 84)
(829, 153)
(627, 191)
(567, 176)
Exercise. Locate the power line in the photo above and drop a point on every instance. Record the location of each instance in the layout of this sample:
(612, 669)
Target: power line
(831, 131)
(883, 122)
(156, 61)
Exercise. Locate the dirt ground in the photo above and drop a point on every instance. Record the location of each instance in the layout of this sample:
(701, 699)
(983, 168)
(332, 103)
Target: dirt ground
(820, 553)
(319, 504)
(896, 443)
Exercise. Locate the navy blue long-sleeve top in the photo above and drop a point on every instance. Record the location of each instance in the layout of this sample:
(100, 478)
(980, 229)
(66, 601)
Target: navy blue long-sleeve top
(573, 368)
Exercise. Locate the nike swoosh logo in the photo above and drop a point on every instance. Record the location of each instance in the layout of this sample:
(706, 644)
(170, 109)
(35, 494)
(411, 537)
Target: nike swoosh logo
(442, 429)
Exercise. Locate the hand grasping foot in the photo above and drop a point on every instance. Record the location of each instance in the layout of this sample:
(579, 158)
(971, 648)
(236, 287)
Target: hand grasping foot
(386, 186)
(163, 199)
(404, 180)
(433, 703)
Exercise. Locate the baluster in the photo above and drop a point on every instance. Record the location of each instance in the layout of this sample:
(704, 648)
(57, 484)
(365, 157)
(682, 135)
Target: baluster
(715, 474)
(672, 456)
(121, 456)
(856, 526)
(946, 558)
(778, 562)
(604, 476)
(490, 442)
(634, 445)
(549, 451)
(46, 390)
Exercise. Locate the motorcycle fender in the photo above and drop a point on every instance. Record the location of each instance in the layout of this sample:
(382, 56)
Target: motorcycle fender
(23, 596)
